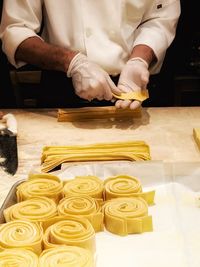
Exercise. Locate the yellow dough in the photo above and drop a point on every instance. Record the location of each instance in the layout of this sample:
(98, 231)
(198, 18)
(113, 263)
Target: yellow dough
(85, 207)
(71, 231)
(84, 185)
(54, 156)
(126, 186)
(196, 134)
(69, 256)
(96, 113)
(140, 96)
(38, 209)
(125, 216)
(18, 258)
(21, 234)
(40, 185)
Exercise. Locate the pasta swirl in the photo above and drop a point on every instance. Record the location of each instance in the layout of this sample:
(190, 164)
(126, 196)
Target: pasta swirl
(70, 256)
(125, 216)
(126, 186)
(21, 234)
(85, 207)
(18, 258)
(72, 231)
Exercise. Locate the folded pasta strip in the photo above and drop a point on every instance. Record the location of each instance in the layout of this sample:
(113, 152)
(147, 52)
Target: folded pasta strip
(54, 156)
(140, 96)
(95, 113)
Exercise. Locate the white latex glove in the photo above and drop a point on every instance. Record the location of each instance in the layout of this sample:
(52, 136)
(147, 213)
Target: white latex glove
(134, 77)
(89, 80)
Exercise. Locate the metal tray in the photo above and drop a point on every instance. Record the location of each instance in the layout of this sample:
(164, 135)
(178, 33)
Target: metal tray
(10, 200)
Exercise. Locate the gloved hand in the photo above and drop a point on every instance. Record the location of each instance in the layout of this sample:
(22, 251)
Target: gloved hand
(134, 77)
(89, 80)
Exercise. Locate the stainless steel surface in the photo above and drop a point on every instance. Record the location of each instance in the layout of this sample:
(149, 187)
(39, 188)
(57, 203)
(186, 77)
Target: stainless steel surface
(10, 200)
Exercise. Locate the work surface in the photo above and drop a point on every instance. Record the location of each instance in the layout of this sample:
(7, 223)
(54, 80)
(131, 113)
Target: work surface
(173, 173)
(168, 131)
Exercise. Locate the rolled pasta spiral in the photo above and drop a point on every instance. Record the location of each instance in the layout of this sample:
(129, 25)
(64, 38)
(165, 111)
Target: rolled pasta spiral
(70, 256)
(126, 186)
(21, 234)
(85, 207)
(39, 185)
(18, 258)
(84, 185)
(71, 231)
(38, 209)
(125, 216)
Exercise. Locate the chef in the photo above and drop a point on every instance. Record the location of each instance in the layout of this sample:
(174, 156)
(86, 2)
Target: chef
(91, 42)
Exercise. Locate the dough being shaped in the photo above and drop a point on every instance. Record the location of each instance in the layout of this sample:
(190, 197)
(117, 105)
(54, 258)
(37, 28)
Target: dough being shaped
(140, 96)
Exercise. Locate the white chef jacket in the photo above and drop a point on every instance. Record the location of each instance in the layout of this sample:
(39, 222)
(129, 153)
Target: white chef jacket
(104, 30)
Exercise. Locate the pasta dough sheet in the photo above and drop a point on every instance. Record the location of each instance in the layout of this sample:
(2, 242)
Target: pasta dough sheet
(95, 113)
(140, 96)
(53, 156)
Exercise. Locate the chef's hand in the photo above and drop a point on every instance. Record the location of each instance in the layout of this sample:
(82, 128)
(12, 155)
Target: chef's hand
(89, 80)
(134, 77)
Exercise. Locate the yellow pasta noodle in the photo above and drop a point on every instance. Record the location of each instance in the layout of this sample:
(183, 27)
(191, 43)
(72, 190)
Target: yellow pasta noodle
(40, 185)
(18, 258)
(83, 206)
(38, 209)
(21, 234)
(69, 256)
(125, 216)
(196, 135)
(84, 185)
(96, 113)
(54, 156)
(72, 231)
(126, 186)
(140, 96)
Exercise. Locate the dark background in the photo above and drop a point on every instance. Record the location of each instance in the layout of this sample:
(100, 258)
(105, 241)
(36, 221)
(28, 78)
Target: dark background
(178, 83)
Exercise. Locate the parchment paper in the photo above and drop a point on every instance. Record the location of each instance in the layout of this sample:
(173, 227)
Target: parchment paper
(175, 240)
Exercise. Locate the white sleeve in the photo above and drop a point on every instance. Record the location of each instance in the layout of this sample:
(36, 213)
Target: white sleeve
(158, 29)
(20, 20)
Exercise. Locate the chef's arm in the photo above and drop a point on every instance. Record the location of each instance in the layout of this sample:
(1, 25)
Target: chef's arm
(145, 52)
(35, 51)
(157, 30)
